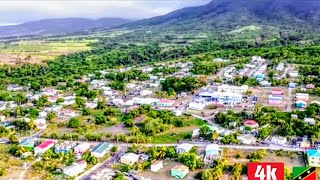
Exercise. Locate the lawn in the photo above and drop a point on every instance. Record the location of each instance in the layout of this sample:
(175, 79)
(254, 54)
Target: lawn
(178, 133)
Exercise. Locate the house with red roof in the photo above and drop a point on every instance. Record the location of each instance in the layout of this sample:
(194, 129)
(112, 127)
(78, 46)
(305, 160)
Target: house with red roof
(165, 103)
(43, 147)
(251, 123)
(277, 92)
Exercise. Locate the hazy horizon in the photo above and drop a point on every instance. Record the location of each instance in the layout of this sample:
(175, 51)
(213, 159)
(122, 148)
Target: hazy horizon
(17, 12)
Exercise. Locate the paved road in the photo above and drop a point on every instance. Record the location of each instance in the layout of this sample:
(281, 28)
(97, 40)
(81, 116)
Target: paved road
(106, 164)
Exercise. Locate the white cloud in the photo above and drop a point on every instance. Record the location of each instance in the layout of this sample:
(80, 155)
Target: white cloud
(21, 11)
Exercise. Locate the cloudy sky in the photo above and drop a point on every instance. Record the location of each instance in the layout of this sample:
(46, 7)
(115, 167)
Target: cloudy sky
(18, 11)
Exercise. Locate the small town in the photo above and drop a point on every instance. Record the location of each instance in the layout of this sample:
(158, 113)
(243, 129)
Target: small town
(161, 121)
(160, 90)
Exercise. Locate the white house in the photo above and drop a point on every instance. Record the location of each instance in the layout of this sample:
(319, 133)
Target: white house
(279, 139)
(212, 152)
(293, 74)
(185, 147)
(233, 89)
(14, 87)
(43, 147)
(43, 114)
(156, 166)
(196, 133)
(49, 91)
(196, 106)
(3, 105)
(129, 158)
(81, 148)
(247, 139)
(101, 149)
(309, 121)
(145, 92)
(108, 93)
(75, 168)
(130, 85)
(91, 105)
(177, 112)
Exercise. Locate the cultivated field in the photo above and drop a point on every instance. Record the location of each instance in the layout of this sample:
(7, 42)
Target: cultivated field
(39, 51)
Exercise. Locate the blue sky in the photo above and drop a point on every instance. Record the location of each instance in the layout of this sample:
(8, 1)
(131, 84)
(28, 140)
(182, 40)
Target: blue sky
(18, 11)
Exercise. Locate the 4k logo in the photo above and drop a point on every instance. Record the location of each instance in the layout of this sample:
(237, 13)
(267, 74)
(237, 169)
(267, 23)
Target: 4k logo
(265, 171)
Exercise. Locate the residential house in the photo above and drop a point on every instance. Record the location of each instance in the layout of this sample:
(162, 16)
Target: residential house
(151, 77)
(232, 124)
(265, 83)
(177, 112)
(148, 101)
(2, 118)
(43, 114)
(301, 104)
(81, 148)
(41, 123)
(130, 85)
(185, 147)
(101, 149)
(108, 93)
(52, 99)
(165, 103)
(313, 158)
(14, 87)
(3, 105)
(91, 105)
(43, 147)
(49, 92)
(156, 166)
(69, 100)
(179, 171)
(75, 169)
(118, 101)
(195, 133)
(309, 121)
(247, 139)
(27, 143)
(279, 140)
(67, 113)
(292, 85)
(280, 66)
(129, 158)
(145, 92)
(144, 157)
(293, 74)
(212, 152)
(310, 86)
(64, 146)
(196, 106)
(251, 123)
(277, 92)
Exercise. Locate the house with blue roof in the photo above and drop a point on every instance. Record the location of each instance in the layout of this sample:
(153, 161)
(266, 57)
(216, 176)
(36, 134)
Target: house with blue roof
(212, 152)
(101, 149)
(27, 144)
(313, 157)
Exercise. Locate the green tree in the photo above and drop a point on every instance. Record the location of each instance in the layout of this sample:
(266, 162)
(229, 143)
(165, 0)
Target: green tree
(264, 133)
(13, 139)
(74, 123)
(236, 170)
(51, 115)
(80, 102)
(191, 160)
(101, 104)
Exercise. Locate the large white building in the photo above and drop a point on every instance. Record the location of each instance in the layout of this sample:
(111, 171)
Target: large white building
(221, 97)
(233, 89)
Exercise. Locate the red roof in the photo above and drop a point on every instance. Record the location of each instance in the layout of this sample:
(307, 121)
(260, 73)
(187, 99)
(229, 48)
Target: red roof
(250, 122)
(166, 101)
(81, 162)
(45, 144)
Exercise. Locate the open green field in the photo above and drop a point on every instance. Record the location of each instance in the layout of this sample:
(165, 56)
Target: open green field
(39, 51)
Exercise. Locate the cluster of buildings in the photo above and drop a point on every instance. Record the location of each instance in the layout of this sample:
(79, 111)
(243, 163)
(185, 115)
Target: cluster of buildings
(276, 97)
(301, 100)
(224, 95)
(76, 168)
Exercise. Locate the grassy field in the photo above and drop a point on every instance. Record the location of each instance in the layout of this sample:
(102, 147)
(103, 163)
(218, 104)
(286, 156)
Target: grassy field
(36, 51)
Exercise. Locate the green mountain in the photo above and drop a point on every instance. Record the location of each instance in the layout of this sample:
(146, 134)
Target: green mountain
(230, 15)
